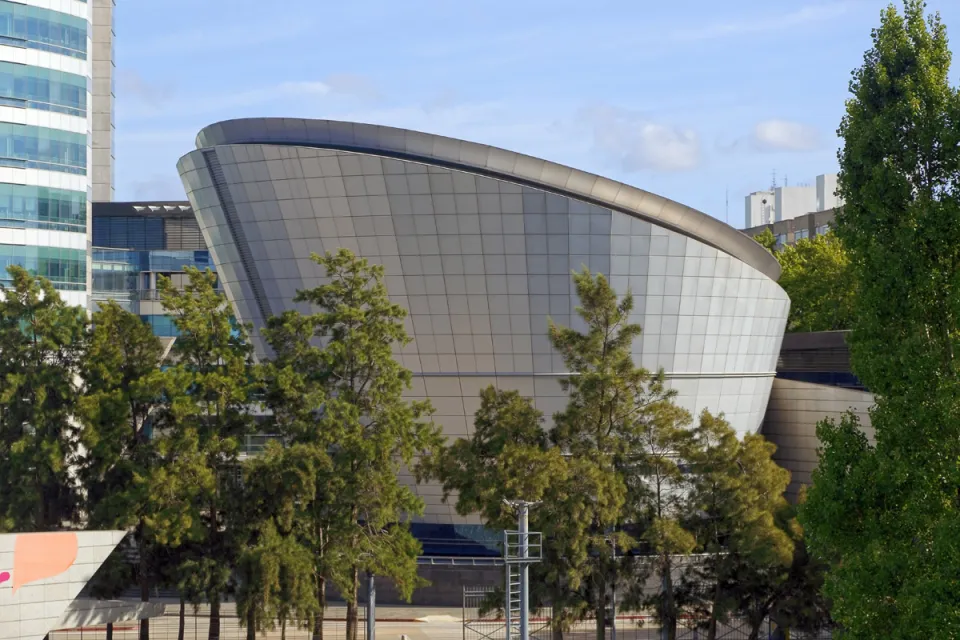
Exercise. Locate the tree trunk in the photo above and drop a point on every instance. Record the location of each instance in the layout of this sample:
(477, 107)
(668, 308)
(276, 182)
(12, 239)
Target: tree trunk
(144, 579)
(181, 629)
(601, 613)
(109, 631)
(321, 608)
(669, 613)
(251, 624)
(712, 629)
(352, 608)
(283, 629)
(755, 625)
(555, 626)
(214, 633)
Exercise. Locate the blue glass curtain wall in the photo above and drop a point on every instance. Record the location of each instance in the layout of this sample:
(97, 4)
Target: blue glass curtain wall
(65, 268)
(44, 89)
(28, 207)
(42, 29)
(41, 148)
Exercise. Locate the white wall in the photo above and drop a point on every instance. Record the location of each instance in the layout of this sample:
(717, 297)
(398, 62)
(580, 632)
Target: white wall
(794, 201)
(758, 212)
(826, 192)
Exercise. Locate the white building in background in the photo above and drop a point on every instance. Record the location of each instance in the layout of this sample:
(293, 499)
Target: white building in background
(52, 112)
(827, 192)
(791, 202)
(786, 203)
(759, 209)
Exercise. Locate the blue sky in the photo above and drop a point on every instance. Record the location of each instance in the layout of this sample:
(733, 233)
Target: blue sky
(690, 99)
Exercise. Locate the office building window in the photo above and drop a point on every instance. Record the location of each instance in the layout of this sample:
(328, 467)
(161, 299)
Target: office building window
(28, 207)
(44, 89)
(42, 29)
(128, 232)
(32, 147)
(65, 268)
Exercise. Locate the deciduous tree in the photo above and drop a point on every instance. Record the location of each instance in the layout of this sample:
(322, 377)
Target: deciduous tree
(816, 274)
(887, 514)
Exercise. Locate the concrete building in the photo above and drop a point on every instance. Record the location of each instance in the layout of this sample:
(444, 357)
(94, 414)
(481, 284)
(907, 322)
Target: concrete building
(780, 204)
(478, 244)
(759, 208)
(827, 192)
(49, 53)
(788, 232)
(791, 202)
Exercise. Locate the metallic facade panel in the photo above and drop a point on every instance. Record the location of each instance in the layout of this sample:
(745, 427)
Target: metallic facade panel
(472, 156)
(481, 264)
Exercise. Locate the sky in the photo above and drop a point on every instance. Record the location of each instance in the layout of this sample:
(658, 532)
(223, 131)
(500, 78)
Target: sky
(697, 100)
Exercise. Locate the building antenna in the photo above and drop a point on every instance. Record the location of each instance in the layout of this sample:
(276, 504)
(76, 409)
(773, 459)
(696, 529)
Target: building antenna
(773, 183)
(785, 180)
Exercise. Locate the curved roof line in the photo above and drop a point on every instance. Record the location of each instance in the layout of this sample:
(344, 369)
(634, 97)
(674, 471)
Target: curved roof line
(494, 162)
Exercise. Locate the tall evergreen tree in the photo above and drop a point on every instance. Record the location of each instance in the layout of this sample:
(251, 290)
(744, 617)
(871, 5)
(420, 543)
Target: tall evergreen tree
(41, 351)
(621, 421)
(888, 515)
(367, 427)
(213, 386)
(275, 568)
(121, 405)
(509, 457)
(295, 395)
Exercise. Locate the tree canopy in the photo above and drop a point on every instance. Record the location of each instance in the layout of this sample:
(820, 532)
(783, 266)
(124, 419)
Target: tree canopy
(887, 513)
(816, 274)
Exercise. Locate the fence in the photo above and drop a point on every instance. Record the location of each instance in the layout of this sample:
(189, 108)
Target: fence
(197, 625)
(480, 622)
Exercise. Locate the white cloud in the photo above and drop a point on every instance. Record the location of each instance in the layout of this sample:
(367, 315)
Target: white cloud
(805, 15)
(784, 135)
(637, 143)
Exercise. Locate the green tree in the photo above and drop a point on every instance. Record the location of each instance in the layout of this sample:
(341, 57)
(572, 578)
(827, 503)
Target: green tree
(367, 427)
(816, 274)
(121, 405)
(767, 240)
(619, 419)
(41, 351)
(509, 457)
(887, 514)
(275, 569)
(213, 386)
(295, 395)
(659, 507)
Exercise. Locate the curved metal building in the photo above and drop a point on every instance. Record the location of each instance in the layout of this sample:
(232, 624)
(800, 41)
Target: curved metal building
(479, 244)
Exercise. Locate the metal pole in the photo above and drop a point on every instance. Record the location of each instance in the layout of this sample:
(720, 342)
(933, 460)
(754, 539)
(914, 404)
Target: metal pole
(506, 573)
(371, 608)
(524, 572)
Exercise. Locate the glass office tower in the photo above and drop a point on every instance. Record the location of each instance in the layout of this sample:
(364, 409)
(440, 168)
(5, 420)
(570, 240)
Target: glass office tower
(51, 109)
